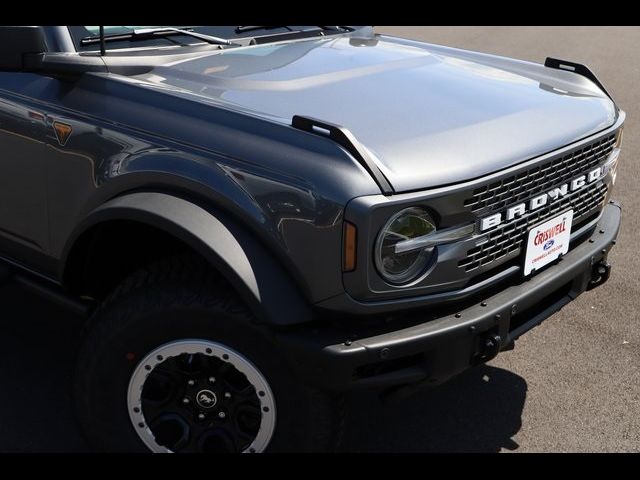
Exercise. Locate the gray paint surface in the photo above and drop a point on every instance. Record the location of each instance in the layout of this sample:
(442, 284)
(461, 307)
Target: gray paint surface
(431, 115)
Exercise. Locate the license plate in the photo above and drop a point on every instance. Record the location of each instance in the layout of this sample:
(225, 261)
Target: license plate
(547, 241)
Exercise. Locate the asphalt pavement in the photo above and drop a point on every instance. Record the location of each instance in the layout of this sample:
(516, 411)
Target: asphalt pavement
(571, 385)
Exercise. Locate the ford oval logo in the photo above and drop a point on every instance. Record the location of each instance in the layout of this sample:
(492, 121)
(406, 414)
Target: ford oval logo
(549, 244)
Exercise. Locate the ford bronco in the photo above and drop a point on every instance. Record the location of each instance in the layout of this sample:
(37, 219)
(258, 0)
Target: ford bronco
(256, 219)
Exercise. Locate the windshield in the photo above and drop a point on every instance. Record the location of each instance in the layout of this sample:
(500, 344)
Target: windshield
(82, 34)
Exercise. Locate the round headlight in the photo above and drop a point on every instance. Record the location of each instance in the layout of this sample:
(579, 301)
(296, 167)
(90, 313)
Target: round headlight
(399, 268)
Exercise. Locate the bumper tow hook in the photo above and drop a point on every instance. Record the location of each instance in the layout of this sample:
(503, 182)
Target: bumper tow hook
(599, 274)
(489, 347)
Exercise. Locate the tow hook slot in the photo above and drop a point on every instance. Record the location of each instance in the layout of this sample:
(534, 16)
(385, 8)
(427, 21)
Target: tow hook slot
(600, 273)
(488, 347)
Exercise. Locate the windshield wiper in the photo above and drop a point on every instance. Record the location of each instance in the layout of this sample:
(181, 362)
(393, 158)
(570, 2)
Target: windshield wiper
(148, 33)
(248, 28)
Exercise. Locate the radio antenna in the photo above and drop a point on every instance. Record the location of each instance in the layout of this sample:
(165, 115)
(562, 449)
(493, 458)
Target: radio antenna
(102, 48)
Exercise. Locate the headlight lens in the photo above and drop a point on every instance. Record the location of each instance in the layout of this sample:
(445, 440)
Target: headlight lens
(399, 268)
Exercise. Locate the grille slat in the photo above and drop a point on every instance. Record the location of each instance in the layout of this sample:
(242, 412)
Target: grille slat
(507, 238)
(554, 173)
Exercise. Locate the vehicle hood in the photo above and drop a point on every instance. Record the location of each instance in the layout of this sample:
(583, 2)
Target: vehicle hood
(430, 115)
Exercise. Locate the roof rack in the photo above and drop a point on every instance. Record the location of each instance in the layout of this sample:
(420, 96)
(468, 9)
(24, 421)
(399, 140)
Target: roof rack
(346, 139)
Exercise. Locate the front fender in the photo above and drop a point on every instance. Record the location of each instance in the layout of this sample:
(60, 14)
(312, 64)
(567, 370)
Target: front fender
(261, 282)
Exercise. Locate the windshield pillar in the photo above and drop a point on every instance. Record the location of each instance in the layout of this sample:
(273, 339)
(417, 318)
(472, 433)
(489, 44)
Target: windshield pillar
(58, 39)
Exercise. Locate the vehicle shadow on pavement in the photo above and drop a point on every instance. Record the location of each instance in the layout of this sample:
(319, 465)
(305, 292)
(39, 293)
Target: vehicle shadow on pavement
(478, 411)
(37, 355)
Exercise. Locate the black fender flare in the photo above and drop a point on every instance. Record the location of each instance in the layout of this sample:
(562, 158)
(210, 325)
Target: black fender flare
(263, 284)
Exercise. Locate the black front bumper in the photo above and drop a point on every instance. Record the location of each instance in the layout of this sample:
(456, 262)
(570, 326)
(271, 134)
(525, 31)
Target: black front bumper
(433, 351)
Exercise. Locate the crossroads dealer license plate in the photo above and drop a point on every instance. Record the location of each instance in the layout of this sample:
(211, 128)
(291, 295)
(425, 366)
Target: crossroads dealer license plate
(548, 241)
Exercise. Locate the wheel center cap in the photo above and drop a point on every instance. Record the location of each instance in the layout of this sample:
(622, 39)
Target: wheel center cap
(206, 399)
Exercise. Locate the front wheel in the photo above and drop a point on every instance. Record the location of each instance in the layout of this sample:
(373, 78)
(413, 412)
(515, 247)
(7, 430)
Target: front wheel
(173, 362)
(200, 396)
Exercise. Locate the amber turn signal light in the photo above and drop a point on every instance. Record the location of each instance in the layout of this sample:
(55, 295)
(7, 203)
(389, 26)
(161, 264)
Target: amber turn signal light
(349, 249)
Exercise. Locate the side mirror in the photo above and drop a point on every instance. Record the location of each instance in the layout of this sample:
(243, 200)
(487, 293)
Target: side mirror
(16, 42)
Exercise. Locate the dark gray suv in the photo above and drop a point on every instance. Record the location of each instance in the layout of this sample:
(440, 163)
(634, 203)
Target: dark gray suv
(255, 219)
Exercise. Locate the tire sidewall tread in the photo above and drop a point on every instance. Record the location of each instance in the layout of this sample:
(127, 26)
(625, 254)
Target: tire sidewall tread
(176, 299)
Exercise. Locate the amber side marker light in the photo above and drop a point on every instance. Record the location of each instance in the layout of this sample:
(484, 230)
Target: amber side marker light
(349, 249)
(63, 131)
(619, 138)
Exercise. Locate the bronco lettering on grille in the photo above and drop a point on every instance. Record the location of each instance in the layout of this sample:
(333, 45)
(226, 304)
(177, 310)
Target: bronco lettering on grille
(541, 200)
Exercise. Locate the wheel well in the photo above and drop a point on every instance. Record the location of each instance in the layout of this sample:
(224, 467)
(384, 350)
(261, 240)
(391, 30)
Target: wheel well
(110, 251)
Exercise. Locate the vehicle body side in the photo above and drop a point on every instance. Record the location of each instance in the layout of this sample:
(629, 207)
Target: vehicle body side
(112, 152)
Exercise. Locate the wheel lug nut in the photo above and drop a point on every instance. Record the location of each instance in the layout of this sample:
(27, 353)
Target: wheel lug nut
(227, 395)
(191, 383)
(212, 379)
(185, 400)
(222, 414)
(201, 416)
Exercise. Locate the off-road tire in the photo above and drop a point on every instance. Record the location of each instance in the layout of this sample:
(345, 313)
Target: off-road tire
(178, 298)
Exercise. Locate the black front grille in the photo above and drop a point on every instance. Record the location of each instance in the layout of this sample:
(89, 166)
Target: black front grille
(507, 239)
(504, 242)
(541, 178)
